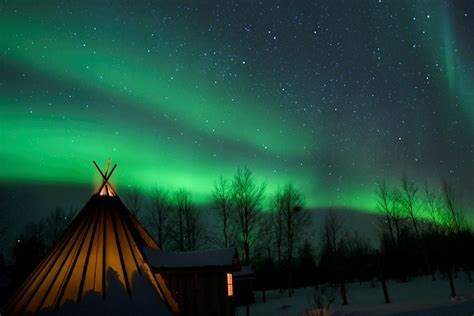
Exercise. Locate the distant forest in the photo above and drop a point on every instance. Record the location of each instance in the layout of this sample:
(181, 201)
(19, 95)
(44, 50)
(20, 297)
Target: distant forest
(422, 230)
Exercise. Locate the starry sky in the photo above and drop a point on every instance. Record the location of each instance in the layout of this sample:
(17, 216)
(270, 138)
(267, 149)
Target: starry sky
(331, 95)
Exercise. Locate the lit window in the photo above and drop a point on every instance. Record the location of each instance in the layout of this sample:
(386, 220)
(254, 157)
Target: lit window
(230, 289)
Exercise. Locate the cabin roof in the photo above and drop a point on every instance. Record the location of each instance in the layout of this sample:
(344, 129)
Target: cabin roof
(245, 273)
(216, 258)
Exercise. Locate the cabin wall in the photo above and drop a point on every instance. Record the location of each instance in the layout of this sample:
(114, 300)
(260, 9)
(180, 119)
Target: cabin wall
(200, 292)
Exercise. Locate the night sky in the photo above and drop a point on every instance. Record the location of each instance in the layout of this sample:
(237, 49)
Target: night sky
(333, 96)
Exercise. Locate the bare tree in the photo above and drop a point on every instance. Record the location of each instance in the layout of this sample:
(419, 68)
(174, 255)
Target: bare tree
(277, 205)
(433, 207)
(182, 205)
(333, 242)
(248, 197)
(188, 231)
(455, 226)
(266, 235)
(396, 212)
(393, 222)
(411, 206)
(333, 234)
(263, 252)
(385, 207)
(453, 216)
(389, 204)
(159, 215)
(134, 201)
(295, 221)
(223, 205)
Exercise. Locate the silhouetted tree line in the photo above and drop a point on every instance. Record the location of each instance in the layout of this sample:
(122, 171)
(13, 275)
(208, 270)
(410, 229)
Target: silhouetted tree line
(31, 245)
(172, 217)
(422, 230)
(262, 229)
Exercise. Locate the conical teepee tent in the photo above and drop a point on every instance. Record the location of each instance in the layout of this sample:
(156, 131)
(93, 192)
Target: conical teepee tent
(97, 267)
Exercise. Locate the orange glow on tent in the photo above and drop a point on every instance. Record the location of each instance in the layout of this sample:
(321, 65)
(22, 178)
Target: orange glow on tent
(103, 239)
(107, 190)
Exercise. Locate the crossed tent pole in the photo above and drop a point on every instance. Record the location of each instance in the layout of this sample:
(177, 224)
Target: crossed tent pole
(105, 178)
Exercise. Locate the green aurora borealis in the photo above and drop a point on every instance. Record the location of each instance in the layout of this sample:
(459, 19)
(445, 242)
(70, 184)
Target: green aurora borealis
(333, 97)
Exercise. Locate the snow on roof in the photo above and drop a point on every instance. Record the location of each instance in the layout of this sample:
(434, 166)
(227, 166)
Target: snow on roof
(190, 259)
(246, 273)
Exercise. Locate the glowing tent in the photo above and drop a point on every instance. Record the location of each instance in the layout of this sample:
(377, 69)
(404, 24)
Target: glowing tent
(97, 267)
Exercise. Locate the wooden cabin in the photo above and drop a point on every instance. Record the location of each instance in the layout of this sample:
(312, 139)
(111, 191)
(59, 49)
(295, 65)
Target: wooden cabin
(201, 282)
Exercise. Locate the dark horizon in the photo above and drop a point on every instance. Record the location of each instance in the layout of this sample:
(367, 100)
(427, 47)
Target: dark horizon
(36, 201)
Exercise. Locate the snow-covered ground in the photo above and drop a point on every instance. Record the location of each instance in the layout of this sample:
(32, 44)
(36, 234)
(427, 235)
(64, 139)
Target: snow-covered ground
(420, 296)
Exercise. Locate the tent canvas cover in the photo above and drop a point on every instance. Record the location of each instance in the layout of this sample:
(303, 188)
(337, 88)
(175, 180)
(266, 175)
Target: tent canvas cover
(97, 267)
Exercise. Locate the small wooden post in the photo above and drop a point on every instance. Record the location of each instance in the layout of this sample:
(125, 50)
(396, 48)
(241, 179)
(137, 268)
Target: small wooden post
(382, 279)
(343, 292)
(451, 282)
